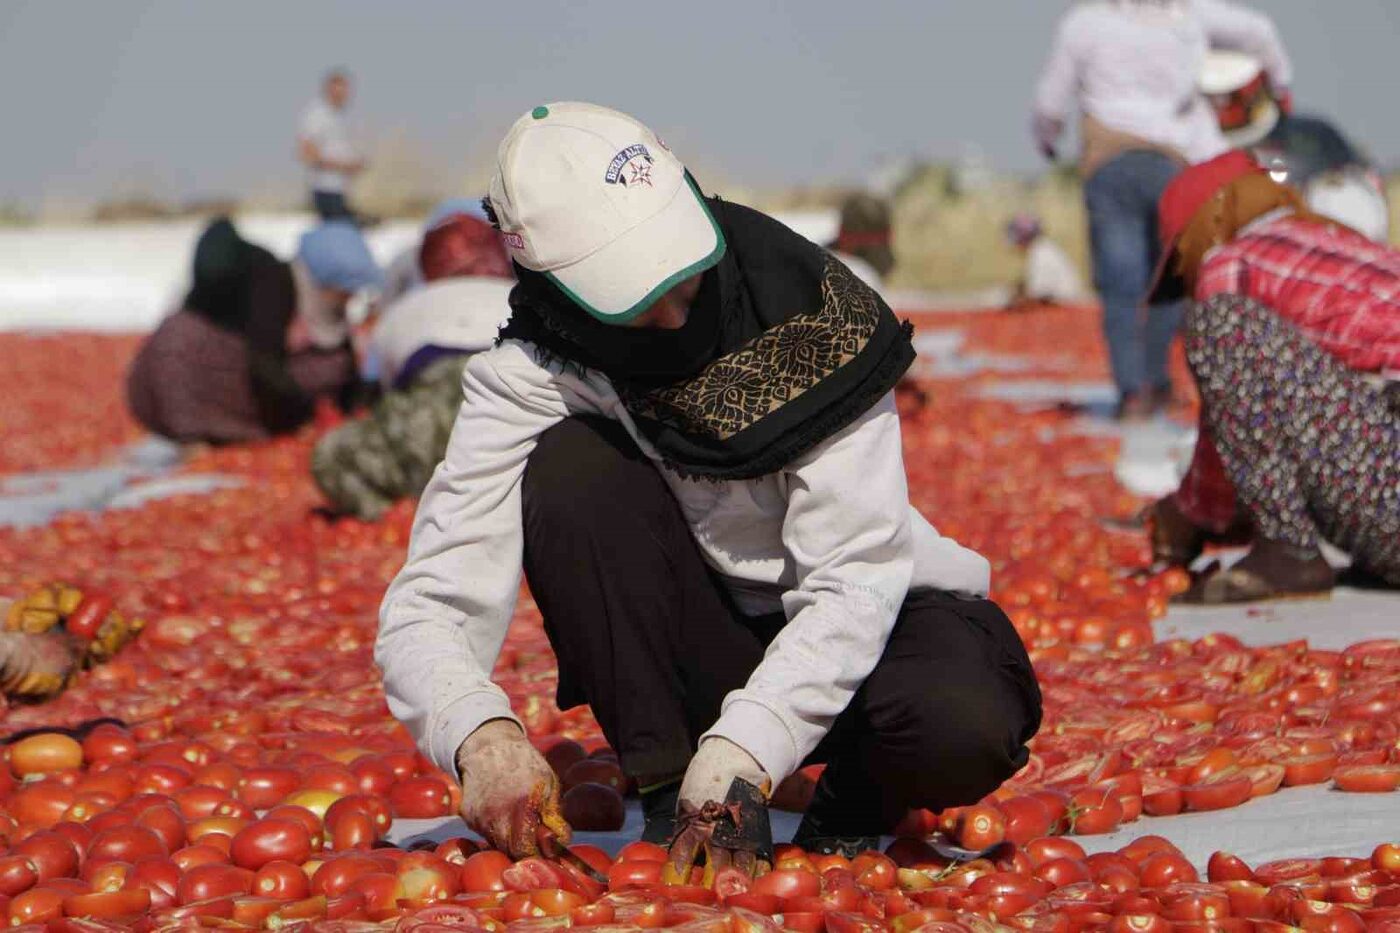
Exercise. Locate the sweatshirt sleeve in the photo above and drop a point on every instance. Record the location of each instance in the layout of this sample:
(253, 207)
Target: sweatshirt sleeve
(847, 532)
(444, 617)
(1054, 93)
(1230, 25)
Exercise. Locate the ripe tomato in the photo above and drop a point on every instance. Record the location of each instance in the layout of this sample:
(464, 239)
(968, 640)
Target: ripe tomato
(483, 871)
(268, 841)
(52, 855)
(1308, 769)
(1048, 848)
(1166, 868)
(130, 843)
(532, 874)
(382, 893)
(108, 904)
(980, 827)
(874, 870)
(1386, 857)
(334, 877)
(18, 873)
(159, 878)
(420, 798)
(1225, 866)
(1368, 779)
(166, 822)
(592, 915)
(264, 787)
(624, 874)
(788, 883)
(1223, 790)
(1094, 811)
(282, 880)
(84, 621)
(44, 753)
(209, 881)
(109, 743)
(641, 852)
(39, 906)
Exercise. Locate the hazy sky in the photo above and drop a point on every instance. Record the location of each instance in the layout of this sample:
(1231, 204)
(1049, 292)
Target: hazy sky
(188, 97)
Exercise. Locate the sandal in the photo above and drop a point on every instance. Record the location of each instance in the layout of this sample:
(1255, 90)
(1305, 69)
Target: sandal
(1270, 571)
(1175, 539)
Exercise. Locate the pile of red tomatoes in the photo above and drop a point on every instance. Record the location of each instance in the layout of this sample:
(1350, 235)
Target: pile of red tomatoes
(65, 403)
(235, 851)
(259, 770)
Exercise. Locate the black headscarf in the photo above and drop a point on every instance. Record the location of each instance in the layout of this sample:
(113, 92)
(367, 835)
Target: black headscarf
(783, 347)
(226, 269)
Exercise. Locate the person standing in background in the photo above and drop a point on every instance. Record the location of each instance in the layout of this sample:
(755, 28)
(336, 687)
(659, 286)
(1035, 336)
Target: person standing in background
(1131, 67)
(325, 146)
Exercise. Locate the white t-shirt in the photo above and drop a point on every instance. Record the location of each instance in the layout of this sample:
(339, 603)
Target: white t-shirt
(1050, 276)
(325, 127)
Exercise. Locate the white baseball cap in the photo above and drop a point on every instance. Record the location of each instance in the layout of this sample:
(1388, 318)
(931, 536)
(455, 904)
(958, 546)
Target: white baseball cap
(598, 203)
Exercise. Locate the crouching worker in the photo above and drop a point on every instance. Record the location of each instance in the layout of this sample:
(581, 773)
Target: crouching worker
(257, 342)
(421, 344)
(688, 441)
(1294, 326)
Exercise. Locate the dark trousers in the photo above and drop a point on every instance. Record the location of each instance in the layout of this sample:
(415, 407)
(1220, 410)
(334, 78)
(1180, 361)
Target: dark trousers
(331, 205)
(647, 636)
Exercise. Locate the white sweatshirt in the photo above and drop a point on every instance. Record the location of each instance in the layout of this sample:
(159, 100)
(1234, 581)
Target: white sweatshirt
(1134, 67)
(831, 540)
(460, 313)
(1050, 275)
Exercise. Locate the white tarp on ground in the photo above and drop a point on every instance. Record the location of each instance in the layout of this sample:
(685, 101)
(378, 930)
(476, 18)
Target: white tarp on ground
(126, 277)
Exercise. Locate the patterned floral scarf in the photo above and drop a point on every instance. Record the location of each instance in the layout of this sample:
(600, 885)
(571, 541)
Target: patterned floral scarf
(783, 348)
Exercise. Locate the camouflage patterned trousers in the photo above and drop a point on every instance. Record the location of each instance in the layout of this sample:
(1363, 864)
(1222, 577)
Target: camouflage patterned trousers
(365, 466)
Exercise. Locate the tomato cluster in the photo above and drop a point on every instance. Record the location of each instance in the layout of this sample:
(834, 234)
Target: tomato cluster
(64, 404)
(259, 767)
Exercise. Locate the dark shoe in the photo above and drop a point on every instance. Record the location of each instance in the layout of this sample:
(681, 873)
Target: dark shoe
(1269, 571)
(659, 809)
(849, 846)
(1175, 539)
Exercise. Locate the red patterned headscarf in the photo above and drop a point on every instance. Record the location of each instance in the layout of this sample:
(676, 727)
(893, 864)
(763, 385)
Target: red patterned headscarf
(462, 245)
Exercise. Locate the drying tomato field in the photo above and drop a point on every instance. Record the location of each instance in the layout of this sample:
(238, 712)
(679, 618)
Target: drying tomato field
(244, 772)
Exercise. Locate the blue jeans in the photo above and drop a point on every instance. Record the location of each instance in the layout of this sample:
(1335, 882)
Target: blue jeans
(1121, 198)
(330, 205)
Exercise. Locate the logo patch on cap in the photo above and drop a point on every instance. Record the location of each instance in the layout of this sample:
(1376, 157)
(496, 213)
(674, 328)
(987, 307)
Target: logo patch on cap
(513, 240)
(631, 166)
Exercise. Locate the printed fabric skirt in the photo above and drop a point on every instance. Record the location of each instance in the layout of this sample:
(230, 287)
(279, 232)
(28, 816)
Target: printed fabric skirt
(1312, 447)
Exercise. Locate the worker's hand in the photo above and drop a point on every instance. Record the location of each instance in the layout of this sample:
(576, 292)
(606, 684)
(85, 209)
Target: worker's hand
(1046, 131)
(508, 790)
(714, 767)
(705, 808)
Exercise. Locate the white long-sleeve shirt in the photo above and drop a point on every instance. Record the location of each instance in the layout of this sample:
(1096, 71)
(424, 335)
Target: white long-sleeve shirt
(831, 540)
(1134, 67)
